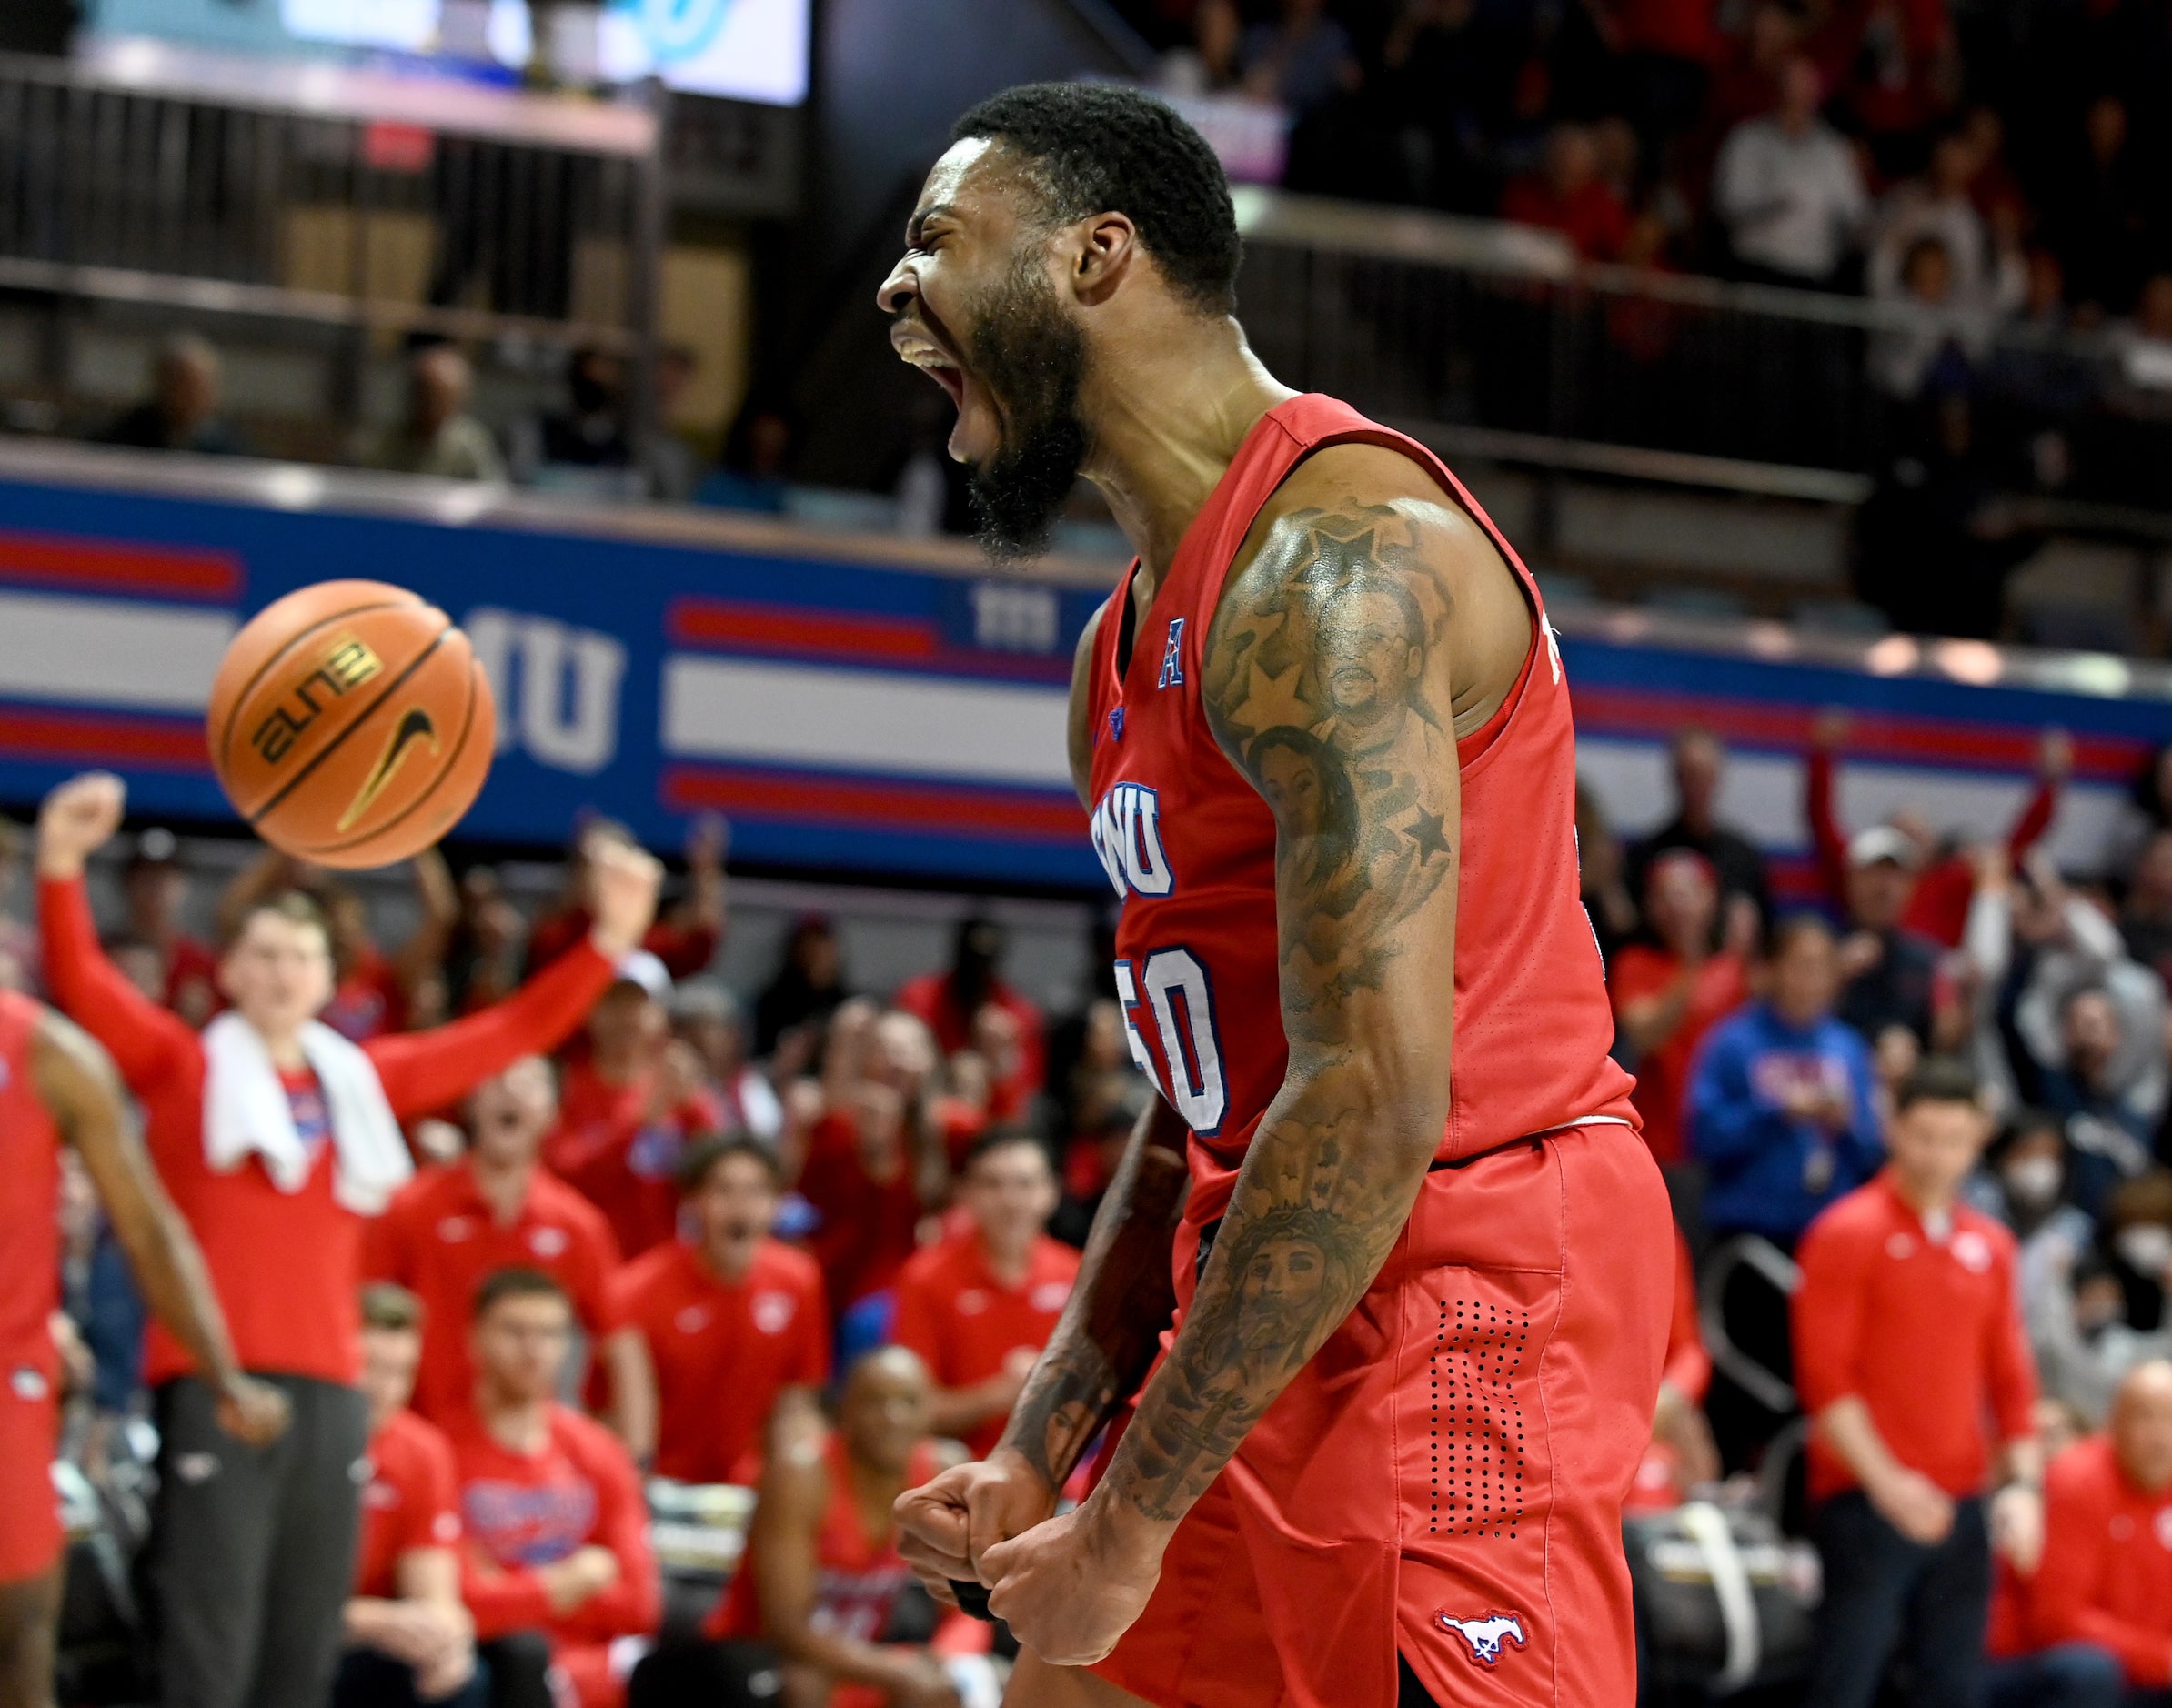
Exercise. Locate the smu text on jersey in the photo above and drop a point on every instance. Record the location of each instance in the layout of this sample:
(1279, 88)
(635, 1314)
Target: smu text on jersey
(1127, 835)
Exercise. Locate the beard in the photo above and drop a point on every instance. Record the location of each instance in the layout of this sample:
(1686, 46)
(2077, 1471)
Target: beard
(1032, 358)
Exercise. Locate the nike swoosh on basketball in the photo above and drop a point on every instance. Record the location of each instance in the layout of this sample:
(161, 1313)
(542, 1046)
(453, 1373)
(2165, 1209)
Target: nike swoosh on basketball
(414, 726)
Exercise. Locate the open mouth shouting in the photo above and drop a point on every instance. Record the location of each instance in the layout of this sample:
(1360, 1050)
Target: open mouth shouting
(974, 438)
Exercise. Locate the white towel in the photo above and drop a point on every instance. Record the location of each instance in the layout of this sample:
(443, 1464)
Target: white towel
(246, 1112)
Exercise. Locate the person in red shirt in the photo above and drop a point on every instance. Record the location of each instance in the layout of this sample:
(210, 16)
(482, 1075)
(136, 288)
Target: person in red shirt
(950, 1003)
(155, 886)
(498, 1208)
(2094, 1622)
(557, 1563)
(631, 1101)
(1908, 1341)
(278, 1139)
(58, 1089)
(734, 1323)
(979, 1306)
(1668, 994)
(410, 1638)
(1569, 196)
(822, 1571)
(684, 943)
(1937, 904)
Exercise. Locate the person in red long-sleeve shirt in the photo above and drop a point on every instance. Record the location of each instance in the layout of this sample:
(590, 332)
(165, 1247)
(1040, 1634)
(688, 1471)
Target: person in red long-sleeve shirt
(557, 1526)
(685, 942)
(2095, 1620)
(252, 1552)
(1907, 1340)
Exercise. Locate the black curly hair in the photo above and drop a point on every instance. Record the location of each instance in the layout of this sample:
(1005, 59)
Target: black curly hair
(1094, 147)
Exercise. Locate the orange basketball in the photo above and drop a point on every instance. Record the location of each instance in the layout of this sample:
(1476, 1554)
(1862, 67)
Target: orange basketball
(350, 724)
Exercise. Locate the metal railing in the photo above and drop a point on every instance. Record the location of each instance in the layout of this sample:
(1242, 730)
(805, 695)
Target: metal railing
(315, 194)
(1427, 317)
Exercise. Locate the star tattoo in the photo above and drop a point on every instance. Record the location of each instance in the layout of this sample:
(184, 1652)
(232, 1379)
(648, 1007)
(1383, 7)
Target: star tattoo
(1429, 833)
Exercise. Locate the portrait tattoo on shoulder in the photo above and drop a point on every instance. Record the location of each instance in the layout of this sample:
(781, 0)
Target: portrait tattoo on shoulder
(1320, 688)
(1325, 683)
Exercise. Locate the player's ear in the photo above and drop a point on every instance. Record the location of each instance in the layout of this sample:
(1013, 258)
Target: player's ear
(1107, 245)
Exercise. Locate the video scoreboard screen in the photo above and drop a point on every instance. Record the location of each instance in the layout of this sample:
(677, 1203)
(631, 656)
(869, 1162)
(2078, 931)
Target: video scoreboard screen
(741, 50)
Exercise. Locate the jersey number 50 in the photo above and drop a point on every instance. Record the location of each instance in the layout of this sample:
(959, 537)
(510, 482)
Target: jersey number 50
(1173, 983)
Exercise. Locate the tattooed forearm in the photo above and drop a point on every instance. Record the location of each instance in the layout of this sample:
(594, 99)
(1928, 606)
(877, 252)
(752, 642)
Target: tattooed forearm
(1327, 684)
(1106, 1341)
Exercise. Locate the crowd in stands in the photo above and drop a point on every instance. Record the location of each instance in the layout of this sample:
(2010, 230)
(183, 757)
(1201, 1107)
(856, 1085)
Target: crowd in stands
(805, 1243)
(1930, 1072)
(798, 1245)
(1819, 144)
(1987, 167)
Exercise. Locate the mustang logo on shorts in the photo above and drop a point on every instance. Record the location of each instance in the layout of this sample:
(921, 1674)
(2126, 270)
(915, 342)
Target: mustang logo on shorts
(1485, 1635)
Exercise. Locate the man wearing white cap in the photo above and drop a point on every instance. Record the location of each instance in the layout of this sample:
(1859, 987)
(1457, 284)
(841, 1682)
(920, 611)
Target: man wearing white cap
(630, 1101)
(1892, 972)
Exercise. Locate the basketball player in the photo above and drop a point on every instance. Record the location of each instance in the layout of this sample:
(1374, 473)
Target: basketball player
(1424, 1268)
(57, 1087)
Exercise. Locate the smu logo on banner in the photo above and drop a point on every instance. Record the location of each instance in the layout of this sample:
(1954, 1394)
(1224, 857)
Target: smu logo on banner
(1127, 835)
(557, 686)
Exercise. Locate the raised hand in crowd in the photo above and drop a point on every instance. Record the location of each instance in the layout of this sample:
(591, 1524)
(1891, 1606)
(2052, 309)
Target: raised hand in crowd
(77, 819)
(623, 884)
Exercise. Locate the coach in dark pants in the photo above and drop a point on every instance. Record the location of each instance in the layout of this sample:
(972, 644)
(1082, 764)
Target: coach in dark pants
(1907, 1338)
(224, 1507)
(1886, 1596)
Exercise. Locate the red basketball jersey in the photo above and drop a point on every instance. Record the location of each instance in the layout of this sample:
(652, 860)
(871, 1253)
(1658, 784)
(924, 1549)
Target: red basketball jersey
(29, 1205)
(1189, 844)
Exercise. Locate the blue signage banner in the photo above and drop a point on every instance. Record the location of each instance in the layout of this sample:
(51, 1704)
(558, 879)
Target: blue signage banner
(896, 715)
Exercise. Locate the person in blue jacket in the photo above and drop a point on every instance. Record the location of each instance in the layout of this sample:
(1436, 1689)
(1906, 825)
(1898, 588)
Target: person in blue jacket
(1781, 1109)
(1781, 1115)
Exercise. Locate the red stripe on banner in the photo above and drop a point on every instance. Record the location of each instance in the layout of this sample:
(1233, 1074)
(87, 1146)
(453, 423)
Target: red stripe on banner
(1619, 711)
(733, 623)
(98, 739)
(56, 560)
(856, 803)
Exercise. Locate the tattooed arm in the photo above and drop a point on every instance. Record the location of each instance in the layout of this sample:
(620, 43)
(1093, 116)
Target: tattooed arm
(1328, 685)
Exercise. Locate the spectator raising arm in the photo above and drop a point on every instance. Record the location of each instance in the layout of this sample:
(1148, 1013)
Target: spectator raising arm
(146, 1042)
(425, 1071)
(1939, 908)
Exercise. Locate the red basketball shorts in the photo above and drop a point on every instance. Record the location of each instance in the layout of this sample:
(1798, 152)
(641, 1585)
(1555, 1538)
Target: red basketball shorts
(30, 1534)
(1444, 1480)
